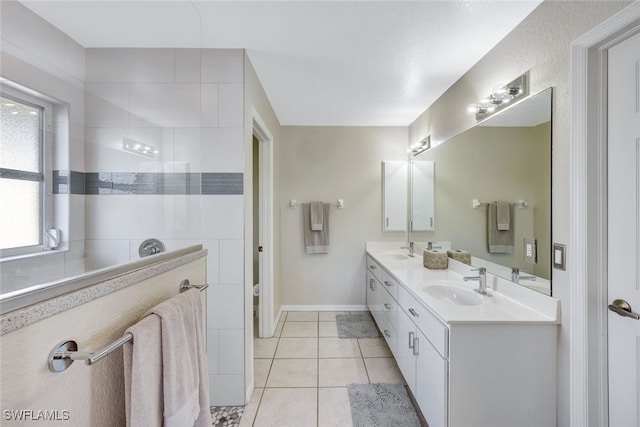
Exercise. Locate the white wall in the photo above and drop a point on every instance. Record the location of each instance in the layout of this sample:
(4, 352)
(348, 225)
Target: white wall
(541, 44)
(326, 164)
(188, 104)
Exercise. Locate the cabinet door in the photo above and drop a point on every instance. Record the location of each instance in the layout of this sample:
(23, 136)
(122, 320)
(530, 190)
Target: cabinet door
(431, 383)
(404, 355)
(422, 196)
(394, 196)
(374, 298)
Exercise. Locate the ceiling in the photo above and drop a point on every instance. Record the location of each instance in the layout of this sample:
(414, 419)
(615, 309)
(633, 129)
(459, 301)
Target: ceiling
(344, 63)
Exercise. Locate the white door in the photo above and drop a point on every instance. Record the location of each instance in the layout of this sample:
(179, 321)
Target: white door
(624, 231)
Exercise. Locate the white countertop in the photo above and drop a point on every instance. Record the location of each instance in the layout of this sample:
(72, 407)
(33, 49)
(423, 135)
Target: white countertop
(509, 303)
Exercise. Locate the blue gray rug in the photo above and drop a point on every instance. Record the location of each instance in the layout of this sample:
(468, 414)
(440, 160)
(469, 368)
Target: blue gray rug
(358, 325)
(381, 405)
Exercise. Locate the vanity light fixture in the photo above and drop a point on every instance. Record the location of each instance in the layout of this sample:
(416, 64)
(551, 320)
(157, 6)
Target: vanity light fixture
(500, 97)
(136, 147)
(419, 147)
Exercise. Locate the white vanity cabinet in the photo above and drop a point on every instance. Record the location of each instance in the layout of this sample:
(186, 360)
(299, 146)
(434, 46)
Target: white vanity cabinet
(489, 365)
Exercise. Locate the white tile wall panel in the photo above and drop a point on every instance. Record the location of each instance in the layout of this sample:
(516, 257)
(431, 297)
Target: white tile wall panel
(209, 105)
(188, 153)
(224, 149)
(187, 217)
(32, 33)
(75, 59)
(165, 104)
(231, 262)
(74, 259)
(187, 65)
(107, 105)
(31, 271)
(213, 348)
(130, 65)
(129, 217)
(226, 390)
(105, 253)
(222, 65)
(222, 217)
(76, 217)
(225, 307)
(231, 342)
(76, 148)
(231, 105)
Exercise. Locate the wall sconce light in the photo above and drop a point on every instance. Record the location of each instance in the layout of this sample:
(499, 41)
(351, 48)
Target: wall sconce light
(136, 147)
(501, 97)
(420, 147)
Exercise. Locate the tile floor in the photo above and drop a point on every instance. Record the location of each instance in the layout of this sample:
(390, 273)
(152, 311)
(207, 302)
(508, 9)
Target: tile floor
(302, 373)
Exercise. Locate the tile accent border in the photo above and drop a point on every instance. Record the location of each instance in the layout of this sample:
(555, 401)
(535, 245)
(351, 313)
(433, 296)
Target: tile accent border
(147, 183)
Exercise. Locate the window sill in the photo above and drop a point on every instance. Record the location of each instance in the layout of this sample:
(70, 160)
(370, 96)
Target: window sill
(63, 248)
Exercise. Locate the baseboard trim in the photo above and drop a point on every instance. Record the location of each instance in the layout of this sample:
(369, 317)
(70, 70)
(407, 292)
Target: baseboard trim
(249, 392)
(323, 308)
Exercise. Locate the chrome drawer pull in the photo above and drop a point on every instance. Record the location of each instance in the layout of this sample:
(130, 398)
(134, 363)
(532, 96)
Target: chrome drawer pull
(386, 332)
(387, 283)
(413, 312)
(411, 340)
(416, 347)
(373, 267)
(371, 284)
(387, 306)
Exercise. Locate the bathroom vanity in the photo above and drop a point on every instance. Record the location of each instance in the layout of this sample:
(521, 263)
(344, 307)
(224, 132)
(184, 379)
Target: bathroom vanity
(469, 359)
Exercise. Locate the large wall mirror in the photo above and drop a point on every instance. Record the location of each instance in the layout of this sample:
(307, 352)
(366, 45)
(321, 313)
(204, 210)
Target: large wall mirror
(502, 163)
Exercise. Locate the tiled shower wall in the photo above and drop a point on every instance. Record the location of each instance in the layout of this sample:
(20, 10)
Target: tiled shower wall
(187, 104)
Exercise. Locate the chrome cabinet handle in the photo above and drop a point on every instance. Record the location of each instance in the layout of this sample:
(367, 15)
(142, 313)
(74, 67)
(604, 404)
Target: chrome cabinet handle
(413, 312)
(411, 340)
(371, 284)
(387, 306)
(386, 332)
(373, 267)
(623, 308)
(387, 283)
(416, 347)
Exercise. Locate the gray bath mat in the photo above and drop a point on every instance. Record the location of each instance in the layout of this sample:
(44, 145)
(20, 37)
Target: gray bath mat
(381, 405)
(360, 325)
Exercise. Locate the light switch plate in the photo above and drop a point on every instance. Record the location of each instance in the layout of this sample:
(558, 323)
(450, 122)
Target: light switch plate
(559, 258)
(530, 250)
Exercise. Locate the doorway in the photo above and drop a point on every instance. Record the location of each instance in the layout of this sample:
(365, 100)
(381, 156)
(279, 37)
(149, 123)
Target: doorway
(599, 395)
(263, 256)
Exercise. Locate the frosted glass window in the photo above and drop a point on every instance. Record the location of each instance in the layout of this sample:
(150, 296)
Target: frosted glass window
(20, 141)
(21, 176)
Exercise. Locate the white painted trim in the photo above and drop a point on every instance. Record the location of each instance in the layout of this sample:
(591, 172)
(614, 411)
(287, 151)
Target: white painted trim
(265, 145)
(324, 308)
(586, 263)
(249, 392)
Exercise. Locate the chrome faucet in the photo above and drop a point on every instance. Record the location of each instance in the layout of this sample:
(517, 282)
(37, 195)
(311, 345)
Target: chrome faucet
(431, 246)
(482, 280)
(516, 277)
(410, 247)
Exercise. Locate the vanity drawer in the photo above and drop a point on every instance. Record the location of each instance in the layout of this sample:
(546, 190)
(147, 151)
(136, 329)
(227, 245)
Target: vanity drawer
(436, 332)
(390, 284)
(390, 309)
(375, 268)
(390, 334)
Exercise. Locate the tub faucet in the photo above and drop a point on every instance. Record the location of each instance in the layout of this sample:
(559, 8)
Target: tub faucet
(516, 277)
(482, 280)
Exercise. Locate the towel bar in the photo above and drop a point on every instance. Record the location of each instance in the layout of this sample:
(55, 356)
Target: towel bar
(66, 352)
(475, 204)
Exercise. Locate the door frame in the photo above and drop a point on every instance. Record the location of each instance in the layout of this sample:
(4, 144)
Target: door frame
(587, 265)
(266, 324)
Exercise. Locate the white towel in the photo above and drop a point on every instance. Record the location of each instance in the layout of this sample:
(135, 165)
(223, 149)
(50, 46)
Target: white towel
(316, 212)
(182, 357)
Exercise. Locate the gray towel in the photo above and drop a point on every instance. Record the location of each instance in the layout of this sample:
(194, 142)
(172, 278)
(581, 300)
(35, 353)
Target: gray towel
(315, 242)
(503, 216)
(316, 212)
(500, 241)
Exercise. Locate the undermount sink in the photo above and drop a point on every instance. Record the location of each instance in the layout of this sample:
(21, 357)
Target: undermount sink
(448, 292)
(395, 256)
